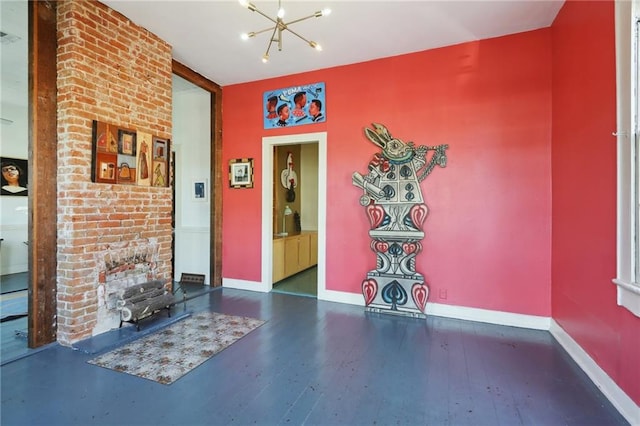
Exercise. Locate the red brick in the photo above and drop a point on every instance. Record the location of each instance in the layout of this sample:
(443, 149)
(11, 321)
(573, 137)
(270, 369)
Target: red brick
(134, 93)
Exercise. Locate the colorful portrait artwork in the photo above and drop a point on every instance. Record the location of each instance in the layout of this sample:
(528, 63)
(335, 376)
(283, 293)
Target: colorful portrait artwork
(126, 165)
(294, 106)
(15, 172)
(160, 162)
(144, 159)
(126, 156)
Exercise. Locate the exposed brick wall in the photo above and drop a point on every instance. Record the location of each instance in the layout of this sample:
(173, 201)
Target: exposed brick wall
(113, 71)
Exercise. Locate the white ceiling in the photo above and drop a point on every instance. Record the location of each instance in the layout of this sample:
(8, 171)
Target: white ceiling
(13, 58)
(205, 35)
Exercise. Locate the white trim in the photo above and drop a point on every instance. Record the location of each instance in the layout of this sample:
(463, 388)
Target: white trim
(267, 202)
(20, 227)
(193, 229)
(245, 285)
(448, 311)
(487, 316)
(628, 292)
(15, 269)
(598, 376)
(628, 296)
(341, 297)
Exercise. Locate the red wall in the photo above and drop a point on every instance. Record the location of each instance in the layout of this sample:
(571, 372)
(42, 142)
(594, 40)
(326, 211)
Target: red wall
(584, 195)
(488, 242)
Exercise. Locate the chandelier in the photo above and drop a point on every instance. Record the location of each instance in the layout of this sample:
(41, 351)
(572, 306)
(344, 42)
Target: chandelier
(280, 26)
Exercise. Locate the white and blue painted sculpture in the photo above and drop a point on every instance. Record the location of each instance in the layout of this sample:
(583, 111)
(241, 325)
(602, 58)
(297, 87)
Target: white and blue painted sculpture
(396, 210)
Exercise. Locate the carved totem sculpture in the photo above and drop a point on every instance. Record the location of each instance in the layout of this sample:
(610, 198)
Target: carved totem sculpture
(397, 211)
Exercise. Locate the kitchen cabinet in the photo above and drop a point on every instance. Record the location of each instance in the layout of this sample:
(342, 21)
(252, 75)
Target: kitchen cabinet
(295, 253)
(278, 259)
(313, 248)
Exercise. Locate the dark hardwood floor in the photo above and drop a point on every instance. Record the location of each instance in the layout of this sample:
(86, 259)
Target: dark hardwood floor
(13, 328)
(304, 283)
(320, 363)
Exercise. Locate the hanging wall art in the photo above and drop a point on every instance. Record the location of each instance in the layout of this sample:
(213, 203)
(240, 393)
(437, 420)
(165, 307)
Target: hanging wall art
(15, 173)
(393, 201)
(294, 106)
(128, 157)
(241, 173)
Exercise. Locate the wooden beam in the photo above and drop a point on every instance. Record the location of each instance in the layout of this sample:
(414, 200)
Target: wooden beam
(218, 170)
(42, 173)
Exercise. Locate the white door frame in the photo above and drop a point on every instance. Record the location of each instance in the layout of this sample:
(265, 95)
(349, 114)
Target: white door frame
(266, 283)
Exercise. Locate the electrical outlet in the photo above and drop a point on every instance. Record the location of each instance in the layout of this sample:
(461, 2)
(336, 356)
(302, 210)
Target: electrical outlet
(442, 293)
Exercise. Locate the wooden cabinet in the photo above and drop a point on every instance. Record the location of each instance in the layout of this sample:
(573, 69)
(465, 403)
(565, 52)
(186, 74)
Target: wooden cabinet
(291, 257)
(278, 259)
(294, 254)
(313, 248)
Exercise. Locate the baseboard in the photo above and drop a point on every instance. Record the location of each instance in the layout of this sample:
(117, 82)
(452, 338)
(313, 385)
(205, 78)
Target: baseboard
(625, 405)
(449, 311)
(488, 316)
(15, 269)
(245, 285)
(340, 297)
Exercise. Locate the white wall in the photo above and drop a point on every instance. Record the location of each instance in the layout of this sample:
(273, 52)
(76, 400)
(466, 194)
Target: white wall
(14, 134)
(14, 230)
(191, 143)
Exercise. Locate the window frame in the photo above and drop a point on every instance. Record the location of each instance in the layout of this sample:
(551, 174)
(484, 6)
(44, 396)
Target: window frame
(627, 279)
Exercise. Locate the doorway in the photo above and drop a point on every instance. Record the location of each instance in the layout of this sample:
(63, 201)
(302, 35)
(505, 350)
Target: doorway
(14, 201)
(191, 219)
(268, 228)
(295, 212)
(213, 177)
(31, 56)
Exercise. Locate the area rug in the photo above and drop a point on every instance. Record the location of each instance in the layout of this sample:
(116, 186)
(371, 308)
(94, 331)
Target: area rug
(172, 352)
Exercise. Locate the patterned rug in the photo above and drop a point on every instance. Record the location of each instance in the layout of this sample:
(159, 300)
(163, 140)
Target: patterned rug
(170, 353)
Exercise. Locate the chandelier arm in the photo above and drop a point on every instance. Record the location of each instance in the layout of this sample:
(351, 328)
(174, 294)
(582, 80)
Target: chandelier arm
(266, 54)
(273, 35)
(255, 33)
(295, 21)
(266, 16)
(281, 26)
(298, 35)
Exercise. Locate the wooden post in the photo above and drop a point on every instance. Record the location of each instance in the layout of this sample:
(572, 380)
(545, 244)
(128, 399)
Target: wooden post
(42, 324)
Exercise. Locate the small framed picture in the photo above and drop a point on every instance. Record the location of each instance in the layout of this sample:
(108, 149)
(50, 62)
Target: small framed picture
(199, 190)
(106, 168)
(160, 174)
(241, 173)
(126, 142)
(126, 169)
(160, 149)
(14, 176)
